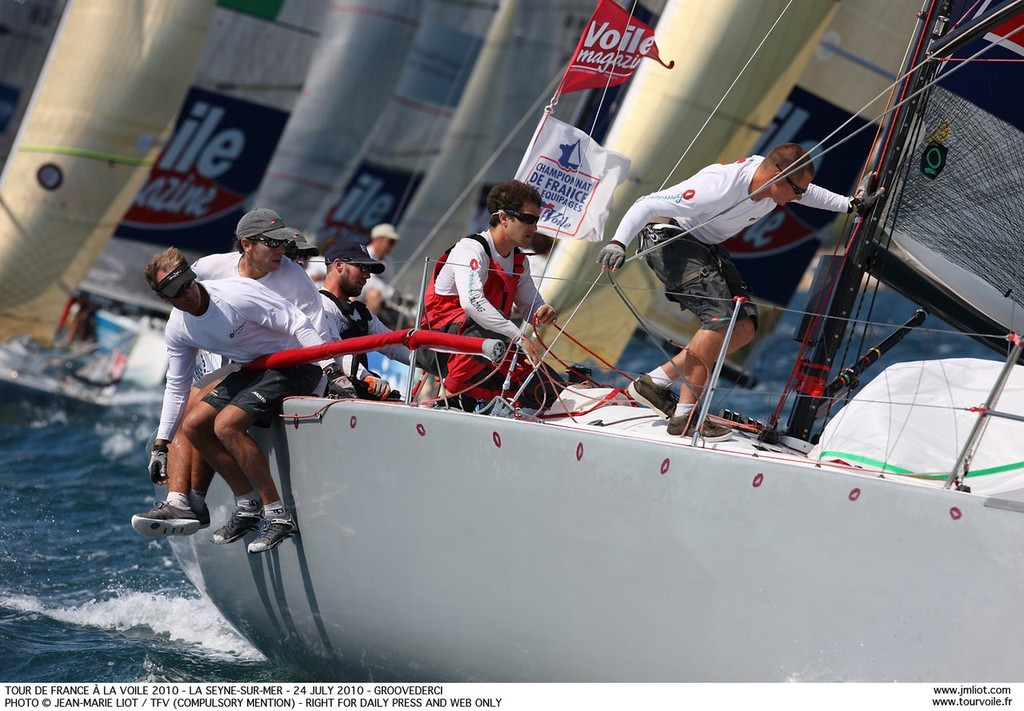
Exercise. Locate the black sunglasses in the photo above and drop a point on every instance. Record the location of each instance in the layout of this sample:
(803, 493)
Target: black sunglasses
(270, 241)
(175, 276)
(524, 217)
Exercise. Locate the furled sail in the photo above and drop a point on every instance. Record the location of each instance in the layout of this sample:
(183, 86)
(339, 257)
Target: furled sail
(115, 77)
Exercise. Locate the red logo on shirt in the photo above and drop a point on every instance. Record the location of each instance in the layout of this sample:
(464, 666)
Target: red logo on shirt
(474, 265)
(688, 195)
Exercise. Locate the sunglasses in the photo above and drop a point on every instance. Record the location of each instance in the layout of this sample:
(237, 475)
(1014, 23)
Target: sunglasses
(524, 217)
(173, 281)
(364, 268)
(270, 241)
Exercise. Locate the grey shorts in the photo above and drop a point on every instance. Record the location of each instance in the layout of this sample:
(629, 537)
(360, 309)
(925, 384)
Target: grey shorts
(699, 277)
(260, 392)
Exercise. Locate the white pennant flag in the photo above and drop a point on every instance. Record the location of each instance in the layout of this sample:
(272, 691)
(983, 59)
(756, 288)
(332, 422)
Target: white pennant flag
(576, 178)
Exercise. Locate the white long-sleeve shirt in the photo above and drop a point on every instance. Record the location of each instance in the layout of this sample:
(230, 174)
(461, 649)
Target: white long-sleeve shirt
(289, 280)
(696, 203)
(458, 277)
(340, 323)
(244, 320)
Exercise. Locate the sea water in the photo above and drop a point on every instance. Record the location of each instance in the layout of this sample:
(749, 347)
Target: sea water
(84, 598)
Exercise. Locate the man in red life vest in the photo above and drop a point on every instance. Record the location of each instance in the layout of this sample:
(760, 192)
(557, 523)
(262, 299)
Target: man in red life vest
(475, 285)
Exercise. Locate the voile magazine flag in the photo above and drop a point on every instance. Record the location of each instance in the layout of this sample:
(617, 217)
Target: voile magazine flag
(612, 45)
(575, 176)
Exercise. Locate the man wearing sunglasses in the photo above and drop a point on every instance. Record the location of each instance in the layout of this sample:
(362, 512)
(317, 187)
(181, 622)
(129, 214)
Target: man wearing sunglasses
(475, 285)
(349, 266)
(239, 319)
(261, 239)
(680, 230)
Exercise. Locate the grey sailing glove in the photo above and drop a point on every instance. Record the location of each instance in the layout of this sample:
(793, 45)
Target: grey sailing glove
(158, 464)
(611, 257)
(378, 388)
(866, 196)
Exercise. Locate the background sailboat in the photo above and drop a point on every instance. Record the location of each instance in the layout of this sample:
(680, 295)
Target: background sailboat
(102, 108)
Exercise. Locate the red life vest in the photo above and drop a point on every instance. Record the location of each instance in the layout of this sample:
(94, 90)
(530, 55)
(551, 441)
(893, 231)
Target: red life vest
(441, 311)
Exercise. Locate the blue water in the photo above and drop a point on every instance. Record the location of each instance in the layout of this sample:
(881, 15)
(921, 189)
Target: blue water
(83, 598)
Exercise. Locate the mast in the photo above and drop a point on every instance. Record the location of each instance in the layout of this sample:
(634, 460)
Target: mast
(828, 329)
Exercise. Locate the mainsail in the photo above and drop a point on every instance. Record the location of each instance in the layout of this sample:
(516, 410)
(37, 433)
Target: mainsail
(114, 79)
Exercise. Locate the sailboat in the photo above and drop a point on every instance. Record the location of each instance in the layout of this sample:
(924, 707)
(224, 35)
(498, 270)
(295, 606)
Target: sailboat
(101, 109)
(583, 543)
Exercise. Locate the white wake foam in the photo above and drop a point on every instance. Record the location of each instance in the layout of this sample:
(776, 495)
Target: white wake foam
(186, 620)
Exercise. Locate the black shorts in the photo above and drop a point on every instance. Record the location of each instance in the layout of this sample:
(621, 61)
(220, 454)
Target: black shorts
(699, 277)
(260, 392)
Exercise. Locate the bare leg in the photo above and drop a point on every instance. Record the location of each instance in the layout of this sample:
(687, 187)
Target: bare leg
(231, 426)
(201, 472)
(199, 426)
(692, 362)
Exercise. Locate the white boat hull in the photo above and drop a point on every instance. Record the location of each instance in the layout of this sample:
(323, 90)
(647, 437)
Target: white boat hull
(498, 550)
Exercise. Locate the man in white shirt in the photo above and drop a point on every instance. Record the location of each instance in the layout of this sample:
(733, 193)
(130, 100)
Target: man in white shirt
(378, 294)
(261, 239)
(239, 319)
(348, 267)
(475, 285)
(690, 219)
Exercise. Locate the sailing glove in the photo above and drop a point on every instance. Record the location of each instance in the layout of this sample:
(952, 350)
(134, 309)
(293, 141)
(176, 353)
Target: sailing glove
(612, 256)
(158, 464)
(378, 388)
(866, 196)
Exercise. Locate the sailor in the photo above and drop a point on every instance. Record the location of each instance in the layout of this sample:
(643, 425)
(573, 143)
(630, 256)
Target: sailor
(261, 239)
(690, 220)
(239, 319)
(378, 294)
(348, 267)
(475, 285)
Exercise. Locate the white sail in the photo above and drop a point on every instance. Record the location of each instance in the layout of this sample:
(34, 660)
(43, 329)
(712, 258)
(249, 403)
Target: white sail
(408, 134)
(114, 79)
(359, 58)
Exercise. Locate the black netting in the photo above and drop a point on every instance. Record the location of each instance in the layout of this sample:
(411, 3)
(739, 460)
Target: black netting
(973, 212)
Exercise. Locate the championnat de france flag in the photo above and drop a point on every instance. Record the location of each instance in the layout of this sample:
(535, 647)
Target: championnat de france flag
(612, 45)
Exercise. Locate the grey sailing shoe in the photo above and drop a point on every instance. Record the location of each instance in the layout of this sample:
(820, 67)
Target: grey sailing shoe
(712, 432)
(241, 522)
(659, 398)
(273, 532)
(165, 520)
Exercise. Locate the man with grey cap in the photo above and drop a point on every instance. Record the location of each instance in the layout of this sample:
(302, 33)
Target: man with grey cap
(378, 294)
(260, 240)
(348, 267)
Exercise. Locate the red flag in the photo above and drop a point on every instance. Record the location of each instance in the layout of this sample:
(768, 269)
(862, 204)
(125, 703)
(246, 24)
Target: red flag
(612, 45)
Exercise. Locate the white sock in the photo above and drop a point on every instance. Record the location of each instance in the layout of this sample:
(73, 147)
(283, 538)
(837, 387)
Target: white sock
(249, 502)
(659, 376)
(177, 500)
(197, 500)
(275, 510)
(684, 410)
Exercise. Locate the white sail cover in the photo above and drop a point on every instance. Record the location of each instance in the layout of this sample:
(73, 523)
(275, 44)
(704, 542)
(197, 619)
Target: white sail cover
(915, 418)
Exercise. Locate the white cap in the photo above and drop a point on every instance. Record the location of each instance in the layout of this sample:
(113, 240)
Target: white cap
(384, 230)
